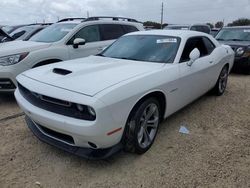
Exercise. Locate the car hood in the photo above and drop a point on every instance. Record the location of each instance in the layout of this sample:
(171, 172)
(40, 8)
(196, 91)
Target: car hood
(90, 75)
(15, 47)
(236, 43)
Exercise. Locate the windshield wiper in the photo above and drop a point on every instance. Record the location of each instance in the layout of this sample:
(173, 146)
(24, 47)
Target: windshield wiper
(221, 39)
(236, 40)
(100, 55)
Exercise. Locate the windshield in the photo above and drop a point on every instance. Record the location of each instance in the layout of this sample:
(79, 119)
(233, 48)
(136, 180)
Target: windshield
(150, 48)
(20, 32)
(8, 29)
(53, 33)
(234, 34)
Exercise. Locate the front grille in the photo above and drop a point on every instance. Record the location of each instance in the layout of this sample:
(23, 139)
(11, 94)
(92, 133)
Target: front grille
(55, 105)
(6, 84)
(60, 136)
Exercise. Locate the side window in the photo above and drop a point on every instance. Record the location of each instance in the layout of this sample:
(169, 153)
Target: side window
(129, 28)
(209, 45)
(111, 31)
(89, 33)
(192, 43)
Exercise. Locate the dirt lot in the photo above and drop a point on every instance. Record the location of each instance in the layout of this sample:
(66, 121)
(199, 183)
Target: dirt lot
(216, 153)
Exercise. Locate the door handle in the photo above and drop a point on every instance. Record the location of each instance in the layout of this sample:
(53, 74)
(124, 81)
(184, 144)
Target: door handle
(210, 62)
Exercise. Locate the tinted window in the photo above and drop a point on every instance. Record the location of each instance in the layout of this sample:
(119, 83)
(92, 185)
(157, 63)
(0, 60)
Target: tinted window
(129, 28)
(90, 34)
(192, 43)
(209, 45)
(200, 28)
(111, 31)
(150, 48)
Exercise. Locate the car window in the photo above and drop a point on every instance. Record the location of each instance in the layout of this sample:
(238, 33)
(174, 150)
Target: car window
(192, 43)
(209, 45)
(145, 48)
(89, 33)
(234, 34)
(129, 28)
(111, 31)
(53, 33)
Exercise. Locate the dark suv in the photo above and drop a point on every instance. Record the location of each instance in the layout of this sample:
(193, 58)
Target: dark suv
(239, 40)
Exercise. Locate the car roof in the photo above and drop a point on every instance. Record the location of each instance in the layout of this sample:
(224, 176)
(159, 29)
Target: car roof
(175, 33)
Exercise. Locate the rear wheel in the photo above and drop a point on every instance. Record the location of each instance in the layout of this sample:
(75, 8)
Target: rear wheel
(221, 84)
(142, 126)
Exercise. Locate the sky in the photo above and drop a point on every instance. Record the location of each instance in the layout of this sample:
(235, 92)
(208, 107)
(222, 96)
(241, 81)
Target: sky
(175, 11)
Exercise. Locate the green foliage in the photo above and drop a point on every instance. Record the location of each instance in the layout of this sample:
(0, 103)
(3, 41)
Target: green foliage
(219, 24)
(153, 25)
(240, 22)
(211, 25)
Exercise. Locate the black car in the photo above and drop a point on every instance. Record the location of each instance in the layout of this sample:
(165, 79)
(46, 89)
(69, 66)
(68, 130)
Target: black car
(239, 40)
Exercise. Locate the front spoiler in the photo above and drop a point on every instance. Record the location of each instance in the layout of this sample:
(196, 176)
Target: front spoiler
(87, 153)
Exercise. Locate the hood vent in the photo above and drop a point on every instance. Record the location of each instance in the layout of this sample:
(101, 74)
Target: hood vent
(61, 71)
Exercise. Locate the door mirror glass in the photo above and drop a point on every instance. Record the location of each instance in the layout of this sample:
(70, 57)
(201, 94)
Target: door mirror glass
(193, 56)
(78, 41)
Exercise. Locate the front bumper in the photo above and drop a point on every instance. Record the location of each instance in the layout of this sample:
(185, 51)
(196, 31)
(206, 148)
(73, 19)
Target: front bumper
(242, 64)
(8, 76)
(80, 132)
(88, 153)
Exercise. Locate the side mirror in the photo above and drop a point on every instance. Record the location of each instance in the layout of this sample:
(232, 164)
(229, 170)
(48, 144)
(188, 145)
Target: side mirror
(193, 56)
(78, 41)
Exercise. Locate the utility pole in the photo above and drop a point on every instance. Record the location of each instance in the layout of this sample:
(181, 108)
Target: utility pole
(162, 12)
(87, 14)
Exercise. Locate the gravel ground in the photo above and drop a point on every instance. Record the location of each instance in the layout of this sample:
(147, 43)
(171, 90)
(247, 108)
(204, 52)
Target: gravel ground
(216, 153)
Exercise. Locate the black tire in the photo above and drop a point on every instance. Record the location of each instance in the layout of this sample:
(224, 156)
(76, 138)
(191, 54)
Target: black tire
(221, 84)
(133, 140)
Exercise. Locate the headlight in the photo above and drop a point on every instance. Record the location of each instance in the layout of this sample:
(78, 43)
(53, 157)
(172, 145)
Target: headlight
(240, 51)
(12, 59)
(86, 112)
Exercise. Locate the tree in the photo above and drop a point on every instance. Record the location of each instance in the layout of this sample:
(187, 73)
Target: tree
(240, 22)
(219, 24)
(151, 24)
(211, 25)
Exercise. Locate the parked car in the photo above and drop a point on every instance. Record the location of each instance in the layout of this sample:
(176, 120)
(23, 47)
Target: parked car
(214, 31)
(196, 27)
(97, 105)
(9, 29)
(239, 39)
(25, 32)
(61, 41)
(3, 34)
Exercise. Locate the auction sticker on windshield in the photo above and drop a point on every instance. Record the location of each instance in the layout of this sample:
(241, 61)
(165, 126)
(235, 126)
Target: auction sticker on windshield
(168, 40)
(247, 30)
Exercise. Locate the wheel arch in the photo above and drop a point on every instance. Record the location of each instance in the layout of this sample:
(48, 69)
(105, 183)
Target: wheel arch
(159, 95)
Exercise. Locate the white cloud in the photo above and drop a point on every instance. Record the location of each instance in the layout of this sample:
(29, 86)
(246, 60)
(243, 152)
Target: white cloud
(181, 11)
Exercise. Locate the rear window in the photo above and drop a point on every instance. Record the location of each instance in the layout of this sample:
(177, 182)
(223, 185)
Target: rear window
(129, 28)
(111, 31)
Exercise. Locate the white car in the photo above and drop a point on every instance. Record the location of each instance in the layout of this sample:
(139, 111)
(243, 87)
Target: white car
(97, 105)
(64, 40)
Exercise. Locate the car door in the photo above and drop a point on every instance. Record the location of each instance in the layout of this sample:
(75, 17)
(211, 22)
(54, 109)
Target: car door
(195, 79)
(92, 36)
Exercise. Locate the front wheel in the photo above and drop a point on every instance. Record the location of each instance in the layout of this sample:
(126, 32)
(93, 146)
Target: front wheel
(142, 126)
(221, 84)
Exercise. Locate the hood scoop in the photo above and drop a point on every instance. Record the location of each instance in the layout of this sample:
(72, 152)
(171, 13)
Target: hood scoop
(61, 71)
